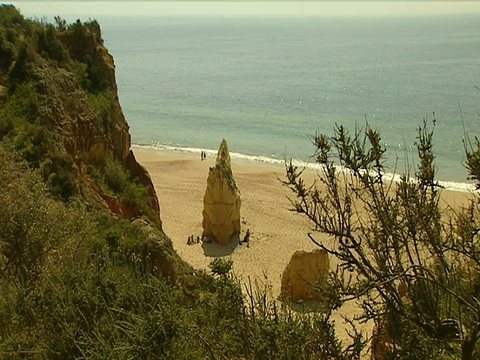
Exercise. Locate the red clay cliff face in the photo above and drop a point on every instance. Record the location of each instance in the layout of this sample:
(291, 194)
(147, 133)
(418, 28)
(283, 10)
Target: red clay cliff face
(92, 127)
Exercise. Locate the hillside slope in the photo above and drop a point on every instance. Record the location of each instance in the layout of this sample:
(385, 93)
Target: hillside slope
(86, 270)
(59, 106)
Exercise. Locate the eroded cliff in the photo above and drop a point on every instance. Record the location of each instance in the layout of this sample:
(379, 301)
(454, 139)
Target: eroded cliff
(60, 114)
(59, 108)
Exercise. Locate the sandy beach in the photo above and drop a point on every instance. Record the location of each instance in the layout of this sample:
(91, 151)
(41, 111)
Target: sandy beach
(180, 181)
(276, 232)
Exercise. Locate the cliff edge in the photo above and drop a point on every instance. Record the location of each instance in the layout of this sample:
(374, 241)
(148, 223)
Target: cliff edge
(59, 108)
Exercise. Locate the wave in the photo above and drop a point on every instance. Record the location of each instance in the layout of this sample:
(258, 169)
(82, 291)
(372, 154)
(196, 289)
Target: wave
(265, 160)
(213, 153)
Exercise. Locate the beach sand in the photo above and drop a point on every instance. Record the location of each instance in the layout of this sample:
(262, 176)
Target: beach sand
(180, 181)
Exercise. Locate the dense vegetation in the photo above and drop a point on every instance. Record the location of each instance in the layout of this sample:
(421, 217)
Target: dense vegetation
(79, 282)
(411, 263)
(75, 284)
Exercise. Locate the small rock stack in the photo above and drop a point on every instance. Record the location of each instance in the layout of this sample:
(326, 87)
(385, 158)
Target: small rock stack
(303, 272)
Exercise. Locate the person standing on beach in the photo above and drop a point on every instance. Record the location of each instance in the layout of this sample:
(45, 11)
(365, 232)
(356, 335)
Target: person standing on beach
(246, 239)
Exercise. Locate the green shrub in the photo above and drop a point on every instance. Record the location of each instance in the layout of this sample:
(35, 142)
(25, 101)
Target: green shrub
(221, 267)
(118, 181)
(9, 16)
(407, 254)
(7, 124)
(21, 69)
(79, 70)
(32, 223)
(102, 103)
(23, 104)
(116, 177)
(58, 172)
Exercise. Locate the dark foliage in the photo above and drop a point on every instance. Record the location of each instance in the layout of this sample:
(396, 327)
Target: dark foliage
(410, 263)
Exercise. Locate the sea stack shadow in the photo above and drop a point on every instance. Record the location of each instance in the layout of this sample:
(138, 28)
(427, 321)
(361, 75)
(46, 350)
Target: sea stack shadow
(214, 249)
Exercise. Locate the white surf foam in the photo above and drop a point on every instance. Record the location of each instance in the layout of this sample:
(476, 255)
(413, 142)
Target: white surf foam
(448, 185)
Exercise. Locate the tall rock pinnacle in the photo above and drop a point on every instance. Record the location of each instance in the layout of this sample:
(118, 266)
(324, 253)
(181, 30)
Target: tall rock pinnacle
(221, 203)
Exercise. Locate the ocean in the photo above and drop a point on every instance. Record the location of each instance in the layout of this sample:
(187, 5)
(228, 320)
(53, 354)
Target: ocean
(268, 85)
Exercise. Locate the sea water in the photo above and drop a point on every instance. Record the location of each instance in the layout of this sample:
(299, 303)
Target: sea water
(269, 85)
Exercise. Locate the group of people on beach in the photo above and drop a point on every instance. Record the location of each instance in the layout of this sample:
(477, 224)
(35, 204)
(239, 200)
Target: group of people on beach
(191, 240)
(203, 155)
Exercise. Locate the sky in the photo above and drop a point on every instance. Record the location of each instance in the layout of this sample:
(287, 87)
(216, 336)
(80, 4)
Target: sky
(95, 10)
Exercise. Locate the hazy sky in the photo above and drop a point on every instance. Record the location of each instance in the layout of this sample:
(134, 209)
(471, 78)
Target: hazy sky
(73, 10)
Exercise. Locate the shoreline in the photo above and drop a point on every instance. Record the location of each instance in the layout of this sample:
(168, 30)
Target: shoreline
(254, 160)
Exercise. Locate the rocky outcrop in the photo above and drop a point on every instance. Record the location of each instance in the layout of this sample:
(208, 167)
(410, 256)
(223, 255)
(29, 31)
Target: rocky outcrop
(143, 177)
(157, 253)
(61, 114)
(113, 203)
(221, 203)
(85, 44)
(86, 115)
(304, 271)
(88, 133)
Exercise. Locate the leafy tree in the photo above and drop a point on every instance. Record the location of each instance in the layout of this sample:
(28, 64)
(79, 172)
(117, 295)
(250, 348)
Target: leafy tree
(412, 264)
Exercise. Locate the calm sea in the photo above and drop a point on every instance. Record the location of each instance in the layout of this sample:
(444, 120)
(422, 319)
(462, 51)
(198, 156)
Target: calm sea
(268, 85)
